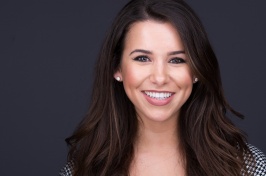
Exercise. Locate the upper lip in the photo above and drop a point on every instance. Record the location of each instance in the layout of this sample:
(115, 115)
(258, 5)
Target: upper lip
(159, 91)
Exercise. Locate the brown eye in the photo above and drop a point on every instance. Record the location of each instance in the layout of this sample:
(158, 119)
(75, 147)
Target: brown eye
(177, 60)
(142, 59)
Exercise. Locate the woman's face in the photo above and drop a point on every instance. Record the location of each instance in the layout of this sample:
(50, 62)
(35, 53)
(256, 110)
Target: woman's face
(154, 70)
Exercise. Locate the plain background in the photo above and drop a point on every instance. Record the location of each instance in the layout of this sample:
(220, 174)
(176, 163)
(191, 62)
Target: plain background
(47, 55)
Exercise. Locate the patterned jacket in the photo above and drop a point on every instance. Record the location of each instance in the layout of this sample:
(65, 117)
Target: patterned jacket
(256, 169)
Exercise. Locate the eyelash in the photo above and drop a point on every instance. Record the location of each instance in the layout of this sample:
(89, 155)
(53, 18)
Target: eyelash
(175, 60)
(140, 58)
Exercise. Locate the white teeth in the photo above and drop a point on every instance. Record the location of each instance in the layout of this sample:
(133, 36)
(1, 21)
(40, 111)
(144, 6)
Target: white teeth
(158, 95)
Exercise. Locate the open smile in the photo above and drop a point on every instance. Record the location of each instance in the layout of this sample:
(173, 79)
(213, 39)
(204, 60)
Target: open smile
(158, 98)
(158, 95)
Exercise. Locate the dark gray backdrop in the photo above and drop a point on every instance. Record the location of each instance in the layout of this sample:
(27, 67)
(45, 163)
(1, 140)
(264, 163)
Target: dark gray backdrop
(47, 51)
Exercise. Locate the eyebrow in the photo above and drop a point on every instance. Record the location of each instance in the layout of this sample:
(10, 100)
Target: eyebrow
(149, 52)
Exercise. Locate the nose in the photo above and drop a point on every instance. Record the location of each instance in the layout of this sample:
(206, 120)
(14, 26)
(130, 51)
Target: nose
(159, 74)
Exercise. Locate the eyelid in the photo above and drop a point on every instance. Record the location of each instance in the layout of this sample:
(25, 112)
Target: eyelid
(141, 56)
(180, 60)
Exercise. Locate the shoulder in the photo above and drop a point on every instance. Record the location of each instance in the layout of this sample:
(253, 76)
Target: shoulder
(255, 161)
(67, 169)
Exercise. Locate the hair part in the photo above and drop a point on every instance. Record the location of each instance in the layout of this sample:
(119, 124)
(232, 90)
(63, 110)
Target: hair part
(103, 142)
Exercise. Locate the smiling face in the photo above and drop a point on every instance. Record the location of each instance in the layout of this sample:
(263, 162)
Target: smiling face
(154, 70)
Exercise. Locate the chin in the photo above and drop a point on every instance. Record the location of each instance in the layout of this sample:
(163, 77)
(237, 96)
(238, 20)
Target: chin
(159, 117)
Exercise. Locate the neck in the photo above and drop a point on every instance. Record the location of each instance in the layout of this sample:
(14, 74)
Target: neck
(157, 146)
(158, 135)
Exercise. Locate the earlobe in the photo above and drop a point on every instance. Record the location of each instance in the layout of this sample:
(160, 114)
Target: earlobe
(118, 76)
(195, 79)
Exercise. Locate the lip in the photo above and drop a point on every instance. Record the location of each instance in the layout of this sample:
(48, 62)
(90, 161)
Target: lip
(158, 102)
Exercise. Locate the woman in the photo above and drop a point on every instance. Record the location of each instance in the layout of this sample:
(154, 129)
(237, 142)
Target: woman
(158, 106)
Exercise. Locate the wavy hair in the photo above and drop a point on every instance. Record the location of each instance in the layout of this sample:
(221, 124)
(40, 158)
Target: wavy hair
(103, 142)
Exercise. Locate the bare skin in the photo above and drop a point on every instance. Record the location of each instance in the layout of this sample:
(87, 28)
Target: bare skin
(158, 81)
(157, 154)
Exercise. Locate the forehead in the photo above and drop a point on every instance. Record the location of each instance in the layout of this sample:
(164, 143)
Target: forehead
(153, 34)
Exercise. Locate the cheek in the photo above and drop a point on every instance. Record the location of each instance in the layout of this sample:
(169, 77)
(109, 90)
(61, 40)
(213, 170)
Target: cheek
(184, 78)
(131, 76)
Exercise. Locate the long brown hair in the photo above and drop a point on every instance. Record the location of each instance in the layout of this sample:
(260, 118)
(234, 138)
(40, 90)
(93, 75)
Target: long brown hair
(103, 142)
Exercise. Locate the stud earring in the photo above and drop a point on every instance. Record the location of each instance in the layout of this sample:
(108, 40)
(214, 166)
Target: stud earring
(118, 78)
(196, 80)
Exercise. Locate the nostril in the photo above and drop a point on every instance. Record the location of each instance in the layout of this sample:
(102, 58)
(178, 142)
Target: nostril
(159, 78)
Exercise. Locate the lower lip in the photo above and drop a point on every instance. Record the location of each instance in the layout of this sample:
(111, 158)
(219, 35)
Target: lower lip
(158, 102)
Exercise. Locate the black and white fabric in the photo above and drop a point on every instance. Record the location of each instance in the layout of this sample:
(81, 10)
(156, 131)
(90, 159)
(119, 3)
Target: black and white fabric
(67, 170)
(257, 168)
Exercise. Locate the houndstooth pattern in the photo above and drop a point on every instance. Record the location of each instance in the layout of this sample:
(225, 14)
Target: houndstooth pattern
(257, 168)
(68, 169)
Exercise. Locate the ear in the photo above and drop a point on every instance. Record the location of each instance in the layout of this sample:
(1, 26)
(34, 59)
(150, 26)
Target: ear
(118, 75)
(195, 79)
